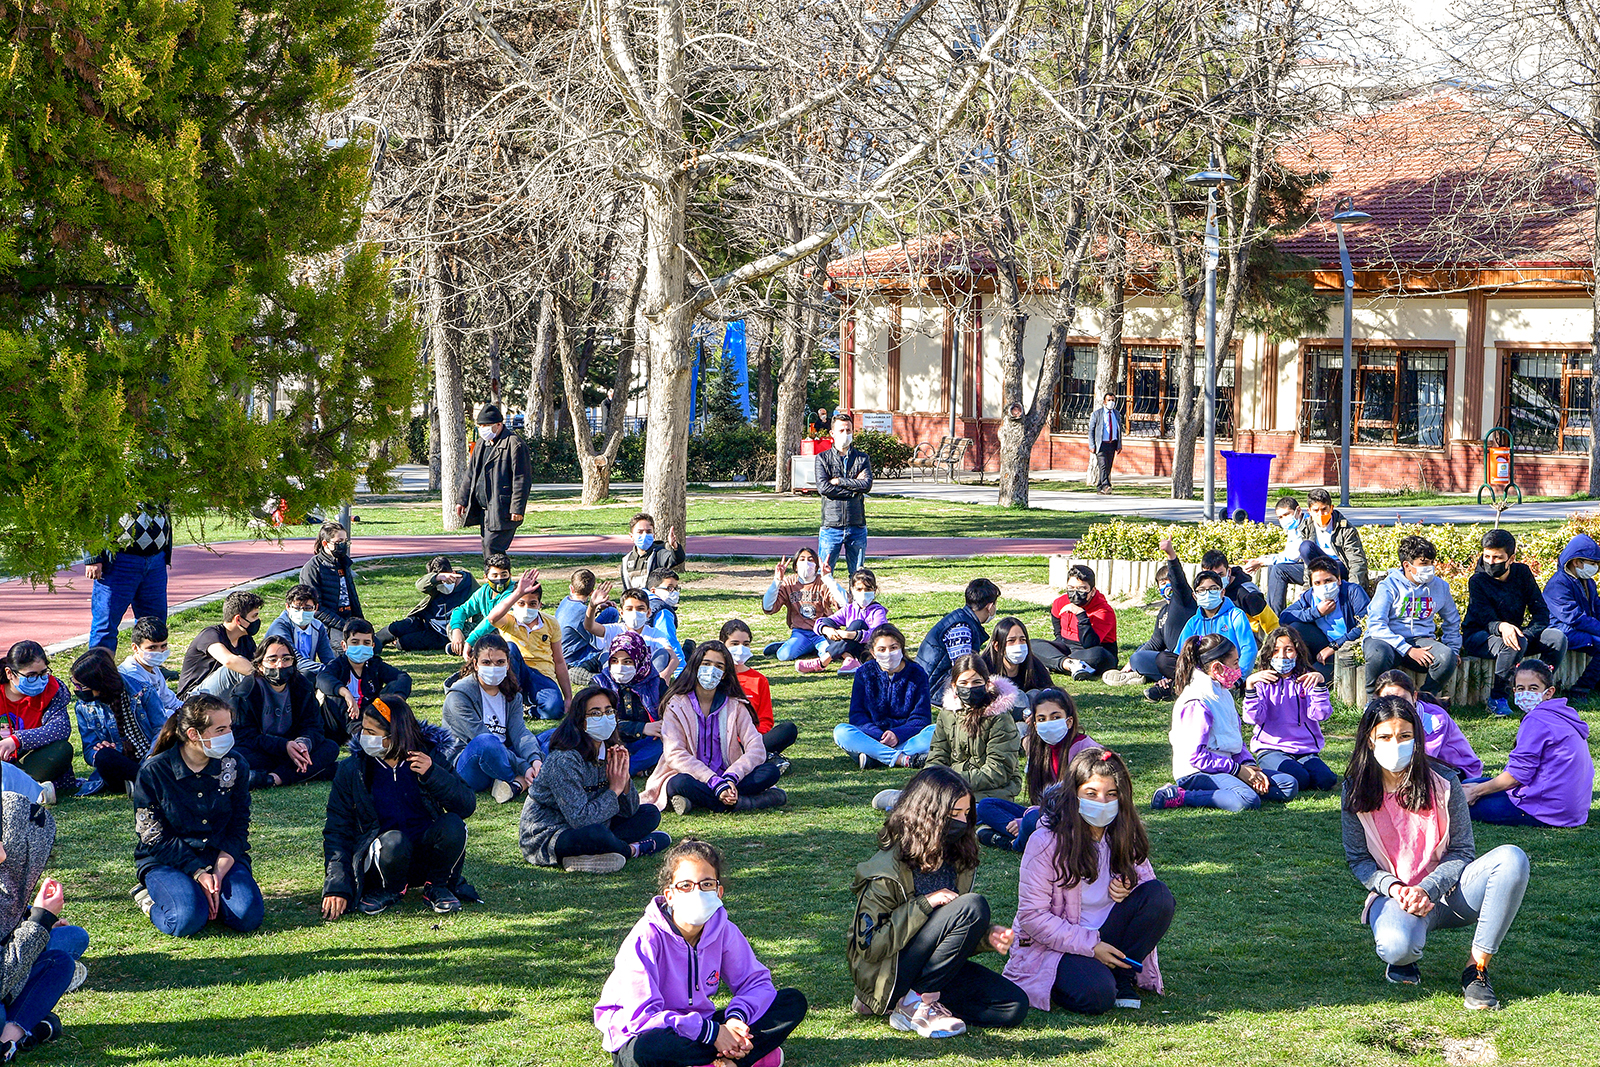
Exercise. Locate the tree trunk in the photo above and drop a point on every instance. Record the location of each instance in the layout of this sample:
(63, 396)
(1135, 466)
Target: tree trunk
(1188, 418)
(541, 397)
(447, 390)
(1108, 351)
(794, 366)
(1015, 444)
(763, 365)
(433, 442)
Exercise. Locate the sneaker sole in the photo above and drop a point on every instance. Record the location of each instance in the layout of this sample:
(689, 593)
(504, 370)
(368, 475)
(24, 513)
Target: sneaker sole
(900, 1022)
(502, 792)
(1480, 1007)
(681, 805)
(605, 863)
(446, 908)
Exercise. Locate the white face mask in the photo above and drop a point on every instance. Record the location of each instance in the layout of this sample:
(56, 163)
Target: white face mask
(1528, 701)
(741, 654)
(1327, 591)
(1288, 522)
(669, 597)
(842, 441)
(217, 747)
(1097, 813)
(1424, 574)
(634, 619)
(1016, 653)
(695, 908)
(492, 676)
(155, 659)
(446, 587)
(889, 661)
(709, 677)
(806, 570)
(302, 617)
(1586, 570)
(524, 614)
(1052, 731)
(1394, 756)
(623, 673)
(372, 746)
(863, 597)
(601, 727)
(486, 432)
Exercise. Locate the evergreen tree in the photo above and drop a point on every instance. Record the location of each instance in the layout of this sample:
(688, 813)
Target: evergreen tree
(174, 242)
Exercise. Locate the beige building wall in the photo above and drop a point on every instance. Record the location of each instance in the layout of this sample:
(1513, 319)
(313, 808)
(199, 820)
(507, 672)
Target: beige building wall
(921, 341)
(872, 354)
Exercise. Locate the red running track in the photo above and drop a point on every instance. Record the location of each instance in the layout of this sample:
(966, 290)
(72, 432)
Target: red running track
(61, 617)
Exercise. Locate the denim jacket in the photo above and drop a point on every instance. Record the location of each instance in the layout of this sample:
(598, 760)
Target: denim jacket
(97, 723)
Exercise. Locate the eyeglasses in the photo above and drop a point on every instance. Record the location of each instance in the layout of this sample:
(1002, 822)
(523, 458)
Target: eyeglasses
(34, 675)
(705, 885)
(602, 710)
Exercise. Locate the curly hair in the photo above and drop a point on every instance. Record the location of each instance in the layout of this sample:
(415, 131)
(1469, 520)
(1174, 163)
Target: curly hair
(1077, 856)
(915, 829)
(1302, 652)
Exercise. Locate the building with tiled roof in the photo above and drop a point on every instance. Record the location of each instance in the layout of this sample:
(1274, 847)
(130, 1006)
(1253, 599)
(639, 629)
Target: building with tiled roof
(1472, 310)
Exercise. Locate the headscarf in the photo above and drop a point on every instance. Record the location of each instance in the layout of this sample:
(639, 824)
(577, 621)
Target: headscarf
(633, 645)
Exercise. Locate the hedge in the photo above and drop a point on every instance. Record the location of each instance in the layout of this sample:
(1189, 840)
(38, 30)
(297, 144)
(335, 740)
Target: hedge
(889, 454)
(720, 456)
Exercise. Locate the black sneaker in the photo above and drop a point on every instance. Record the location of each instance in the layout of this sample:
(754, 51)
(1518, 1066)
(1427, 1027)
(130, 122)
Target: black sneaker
(376, 903)
(659, 841)
(466, 892)
(1403, 973)
(440, 899)
(1161, 692)
(782, 764)
(919, 761)
(47, 1030)
(1476, 992)
(988, 835)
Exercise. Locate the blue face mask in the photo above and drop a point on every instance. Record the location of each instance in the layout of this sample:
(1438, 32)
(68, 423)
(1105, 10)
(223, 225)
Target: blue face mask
(1289, 522)
(1209, 599)
(359, 653)
(1283, 664)
(644, 541)
(32, 687)
(1165, 589)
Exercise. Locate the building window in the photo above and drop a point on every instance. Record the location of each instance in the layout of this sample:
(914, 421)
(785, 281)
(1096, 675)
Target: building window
(1147, 393)
(1545, 398)
(1398, 395)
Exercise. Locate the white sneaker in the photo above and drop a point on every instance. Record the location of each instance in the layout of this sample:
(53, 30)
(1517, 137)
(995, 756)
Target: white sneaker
(601, 863)
(47, 794)
(1131, 1003)
(928, 1020)
(886, 799)
(1127, 677)
(502, 791)
(80, 975)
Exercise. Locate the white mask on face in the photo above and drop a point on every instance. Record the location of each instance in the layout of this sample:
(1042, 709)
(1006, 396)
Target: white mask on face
(669, 597)
(842, 440)
(623, 673)
(446, 587)
(1288, 522)
(1052, 731)
(889, 660)
(302, 617)
(600, 727)
(155, 659)
(1394, 756)
(863, 597)
(1097, 812)
(634, 619)
(1016, 653)
(708, 676)
(1327, 591)
(372, 746)
(524, 614)
(1527, 701)
(806, 570)
(741, 654)
(1586, 570)
(1424, 574)
(492, 676)
(695, 908)
(486, 433)
(217, 747)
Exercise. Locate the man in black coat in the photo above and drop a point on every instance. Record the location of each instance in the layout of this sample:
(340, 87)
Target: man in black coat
(494, 495)
(844, 478)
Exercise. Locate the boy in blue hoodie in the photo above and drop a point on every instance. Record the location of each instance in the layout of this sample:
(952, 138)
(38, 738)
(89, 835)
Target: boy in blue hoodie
(1574, 605)
(1329, 615)
(1401, 620)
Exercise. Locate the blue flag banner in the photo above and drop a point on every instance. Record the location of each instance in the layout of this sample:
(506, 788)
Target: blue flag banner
(733, 349)
(694, 379)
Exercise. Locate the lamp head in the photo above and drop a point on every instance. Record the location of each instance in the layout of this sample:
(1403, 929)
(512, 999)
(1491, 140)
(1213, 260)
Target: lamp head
(1346, 211)
(1213, 177)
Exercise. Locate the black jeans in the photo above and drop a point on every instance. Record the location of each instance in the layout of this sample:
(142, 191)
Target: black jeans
(263, 765)
(1056, 653)
(838, 649)
(665, 1047)
(412, 635)
(936, 960)
(780, 737)
(395, 861)
(1549, 645)
(599, 839)
(116, 769)
(1108, 455)
(1088, 987)
(498, 540)
(700, 795)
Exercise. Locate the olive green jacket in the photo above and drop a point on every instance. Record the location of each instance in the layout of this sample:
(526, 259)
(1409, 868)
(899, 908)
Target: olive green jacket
(889, 912)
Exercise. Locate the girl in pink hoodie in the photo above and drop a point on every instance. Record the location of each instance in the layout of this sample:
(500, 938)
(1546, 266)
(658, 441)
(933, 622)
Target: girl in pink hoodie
(656, 1009)
(1089, 907)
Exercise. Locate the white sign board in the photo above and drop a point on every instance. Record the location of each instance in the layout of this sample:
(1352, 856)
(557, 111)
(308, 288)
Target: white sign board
(878, 420)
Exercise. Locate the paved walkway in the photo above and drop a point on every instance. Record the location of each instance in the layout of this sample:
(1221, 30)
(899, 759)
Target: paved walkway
(199, 575)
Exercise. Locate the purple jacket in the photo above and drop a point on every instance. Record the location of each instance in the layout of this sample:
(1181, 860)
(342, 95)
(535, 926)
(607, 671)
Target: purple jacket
(660, 982)
(1286, 714)
(852, 617)
(1444, 741)
(1551, 760)
(1200, 722)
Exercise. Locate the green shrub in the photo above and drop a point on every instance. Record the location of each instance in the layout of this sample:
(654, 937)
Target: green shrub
(888, 453)
(417, 439)
(732, 453)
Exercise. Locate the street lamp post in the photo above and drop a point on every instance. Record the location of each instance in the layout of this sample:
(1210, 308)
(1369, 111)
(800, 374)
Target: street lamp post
(1346, 211)
(1212, 179)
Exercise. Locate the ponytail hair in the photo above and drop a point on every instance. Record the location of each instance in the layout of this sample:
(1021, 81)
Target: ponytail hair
(1197, 652)
(194, 715)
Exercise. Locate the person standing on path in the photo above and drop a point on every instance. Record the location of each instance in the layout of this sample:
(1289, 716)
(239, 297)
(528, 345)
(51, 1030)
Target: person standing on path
(1105, 438)
(494, 495)
(133, 574)
(844, 478)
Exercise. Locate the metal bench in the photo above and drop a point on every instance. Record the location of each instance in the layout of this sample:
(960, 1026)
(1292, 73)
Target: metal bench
(926, 459)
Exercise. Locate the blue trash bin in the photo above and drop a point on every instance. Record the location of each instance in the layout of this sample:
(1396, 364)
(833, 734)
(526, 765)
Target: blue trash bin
(1248, 474)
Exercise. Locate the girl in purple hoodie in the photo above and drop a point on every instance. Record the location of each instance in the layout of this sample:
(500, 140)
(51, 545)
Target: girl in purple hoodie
(849, 630)
(1443, 740)
(1287, 700)
(656, 1009)
(1549, 776)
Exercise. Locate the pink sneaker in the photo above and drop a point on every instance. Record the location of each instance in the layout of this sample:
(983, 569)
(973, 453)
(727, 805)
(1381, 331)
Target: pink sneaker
(808, 666)
(771, 1059)
(849, 665)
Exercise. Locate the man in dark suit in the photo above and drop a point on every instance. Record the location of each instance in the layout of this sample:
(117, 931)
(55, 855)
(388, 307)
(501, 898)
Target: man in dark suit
(1105, 438)
(494, 495)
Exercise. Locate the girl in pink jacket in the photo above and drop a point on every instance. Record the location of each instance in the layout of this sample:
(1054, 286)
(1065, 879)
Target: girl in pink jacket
(1089, 907)
(712, 753)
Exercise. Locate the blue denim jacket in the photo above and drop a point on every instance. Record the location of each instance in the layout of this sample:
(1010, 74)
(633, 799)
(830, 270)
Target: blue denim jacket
(97, 723)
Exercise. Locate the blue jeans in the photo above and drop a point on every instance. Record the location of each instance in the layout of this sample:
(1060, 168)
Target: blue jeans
(47, 984)
(484, 761)
(544, 697)
(856, 741)
(852, 539)
(1487, 897)
(1229, 793)
(643, 754)
(1500, 809)
(997, 814)
(801, 643)
(139, 581)
(1308, 772)
(180, 907)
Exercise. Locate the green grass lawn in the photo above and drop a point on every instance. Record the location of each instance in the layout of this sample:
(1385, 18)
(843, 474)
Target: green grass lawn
(1266, 963)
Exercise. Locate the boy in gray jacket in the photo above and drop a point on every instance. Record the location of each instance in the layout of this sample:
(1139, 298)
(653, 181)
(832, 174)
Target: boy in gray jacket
(1401, 620)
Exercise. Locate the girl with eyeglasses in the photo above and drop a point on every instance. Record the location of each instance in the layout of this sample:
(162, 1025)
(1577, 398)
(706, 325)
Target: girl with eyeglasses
(35, 723)
(583, 812)
(656, 1008)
